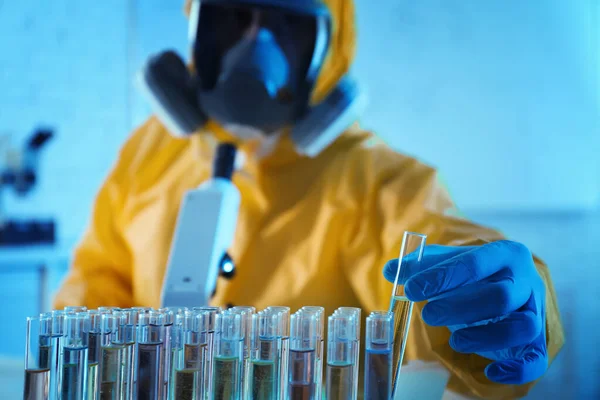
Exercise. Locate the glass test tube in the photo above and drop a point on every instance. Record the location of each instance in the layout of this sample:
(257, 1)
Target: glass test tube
(319, 312)
(94, 344)
(228, 356)
(169, 314)
(341, 356)
(74, 359)
(400, 306)
(57, 337)
(113, 358)
(39, 355)
(246, 313)
(149, 362)
(283, 347)
(378, 356)
(263, 355)
(127, 320)
(356, 313)
(303, 356)
(188, 368)
(211, 312)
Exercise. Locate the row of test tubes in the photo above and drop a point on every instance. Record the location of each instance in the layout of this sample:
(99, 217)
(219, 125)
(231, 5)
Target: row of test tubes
(205, 353)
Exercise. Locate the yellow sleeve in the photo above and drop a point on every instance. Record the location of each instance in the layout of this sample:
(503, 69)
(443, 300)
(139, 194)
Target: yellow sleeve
(409, 197)
(101, 268)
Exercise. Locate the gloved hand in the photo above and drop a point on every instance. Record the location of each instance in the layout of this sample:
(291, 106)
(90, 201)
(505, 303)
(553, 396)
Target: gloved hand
(491, 298)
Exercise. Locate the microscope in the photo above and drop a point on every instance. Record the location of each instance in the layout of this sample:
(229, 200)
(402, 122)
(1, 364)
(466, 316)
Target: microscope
(20, 173)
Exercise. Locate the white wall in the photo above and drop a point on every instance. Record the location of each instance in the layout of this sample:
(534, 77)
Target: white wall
(498, 94)
(476, 87)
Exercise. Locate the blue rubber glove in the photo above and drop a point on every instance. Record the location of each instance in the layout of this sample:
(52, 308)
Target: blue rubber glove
(491, 298)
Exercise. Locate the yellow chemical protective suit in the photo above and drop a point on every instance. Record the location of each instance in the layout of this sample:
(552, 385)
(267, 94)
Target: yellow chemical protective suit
(310, 231)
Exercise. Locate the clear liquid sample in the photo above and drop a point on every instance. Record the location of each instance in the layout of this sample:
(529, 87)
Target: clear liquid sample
(402, 309)
(208, 366)
(149, 371)
(128, 380)
(378, 374)
(74, 373)
(187, 384)
(340, 379)
(301, 374)
(263, 383)
(226, 373)
(92, 381)
(167, 359)
(37, 384)
(282, 367)
(112, 372)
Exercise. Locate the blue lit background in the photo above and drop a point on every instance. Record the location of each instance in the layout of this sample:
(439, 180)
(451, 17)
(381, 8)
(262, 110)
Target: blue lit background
(502, 96)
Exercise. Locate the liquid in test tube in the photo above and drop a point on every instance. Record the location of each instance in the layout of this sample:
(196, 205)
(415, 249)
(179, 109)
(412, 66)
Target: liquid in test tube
(263, 356)
(228, 356)
(304, 340)
(378, 356)
(149, 359)
(74, 359)
(39, 355)
(283, 350)
(341, 356)
(400, 306)
(188, 377)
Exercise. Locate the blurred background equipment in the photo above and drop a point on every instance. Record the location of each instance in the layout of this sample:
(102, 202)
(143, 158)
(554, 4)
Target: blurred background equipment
(20, 174)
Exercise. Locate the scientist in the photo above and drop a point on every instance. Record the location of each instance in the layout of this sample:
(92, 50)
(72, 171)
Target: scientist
(323, 209)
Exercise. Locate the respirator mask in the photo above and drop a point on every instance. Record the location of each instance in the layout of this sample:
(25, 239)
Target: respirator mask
(255, 65)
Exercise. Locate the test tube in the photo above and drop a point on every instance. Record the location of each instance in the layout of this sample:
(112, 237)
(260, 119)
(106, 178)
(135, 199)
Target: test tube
(58, 330)
(341, 356)
(39, 355)
(283, 347)
(263, 356)
(211, 313)
(94, 344)
(246, 313)
(400, 306)
(378, 356)
(229, 355)
(303, 356)
(113, 358)
(356, 312)
(319, 312)
(127, 320)
(169, 314)
(149, 360)
(188, 376)
(74, 360)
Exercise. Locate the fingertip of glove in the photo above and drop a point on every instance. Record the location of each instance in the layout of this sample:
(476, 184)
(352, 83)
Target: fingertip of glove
(390, 269)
